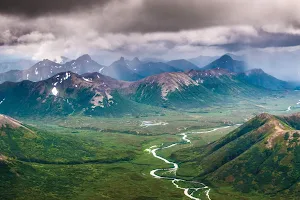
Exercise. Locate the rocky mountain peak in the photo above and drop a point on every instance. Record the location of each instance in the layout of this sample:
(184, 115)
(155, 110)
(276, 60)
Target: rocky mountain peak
(225, 57)
(84, 57)
(136, 59)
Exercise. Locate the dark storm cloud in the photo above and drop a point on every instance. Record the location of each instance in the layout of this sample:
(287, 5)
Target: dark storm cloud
(264, 40)
(52, 27)
(175, 15)
(170, 29)
(33, 8)
(161, 15)
(144, 16)
(278, 40)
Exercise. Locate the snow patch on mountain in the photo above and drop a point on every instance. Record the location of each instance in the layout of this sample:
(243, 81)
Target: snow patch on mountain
(54, 91)
(68, 75)
(87, 79)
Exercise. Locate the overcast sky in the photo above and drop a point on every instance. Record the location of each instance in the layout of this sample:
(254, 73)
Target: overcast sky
(148, 28)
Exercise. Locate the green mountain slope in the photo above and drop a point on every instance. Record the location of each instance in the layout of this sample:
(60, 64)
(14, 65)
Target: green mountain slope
(263, 155)
(74, 163)
(95, 94)
(37, 164)
(259, 78)
(29, 144)
(65, 94)
(193, 89)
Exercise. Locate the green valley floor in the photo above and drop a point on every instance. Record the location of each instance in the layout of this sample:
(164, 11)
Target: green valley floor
(81, 157)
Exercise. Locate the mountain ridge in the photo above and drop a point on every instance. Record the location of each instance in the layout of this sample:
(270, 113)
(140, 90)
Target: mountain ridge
(64, 93)
(47, 68)
(261, 79)
(91, 92)
(260, 156)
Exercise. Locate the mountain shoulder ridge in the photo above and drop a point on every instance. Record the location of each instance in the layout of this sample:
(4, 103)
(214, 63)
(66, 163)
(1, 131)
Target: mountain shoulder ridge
(259, 156)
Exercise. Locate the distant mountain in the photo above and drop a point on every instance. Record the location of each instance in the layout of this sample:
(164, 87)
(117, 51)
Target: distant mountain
(259, 78)
(15, 65)
(260, 156)
(133, 70)
(40, 71)
(154, 68)
(256, 77)
(226, 62)
(134, 63)
(284, 65)
(120, 70)
(83, 64)
(237, 57)
(182, 64)
(47, 68)
(202, 61)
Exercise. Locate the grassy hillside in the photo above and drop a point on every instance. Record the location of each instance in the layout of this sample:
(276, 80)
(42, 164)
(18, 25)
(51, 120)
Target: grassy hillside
(71, 164)
(194, 89)
(262, 156)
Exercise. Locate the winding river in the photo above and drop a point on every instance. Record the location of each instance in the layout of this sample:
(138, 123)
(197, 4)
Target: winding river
(190, 188)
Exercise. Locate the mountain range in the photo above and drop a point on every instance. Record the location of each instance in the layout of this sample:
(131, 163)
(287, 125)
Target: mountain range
(127, 70)
(84, 86)
(133, 70)
(15, 65)
(62, 94)
(47, 68)
(96, 94)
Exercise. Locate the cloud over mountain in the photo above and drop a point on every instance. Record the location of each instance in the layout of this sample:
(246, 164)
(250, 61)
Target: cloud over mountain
(150, 27)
